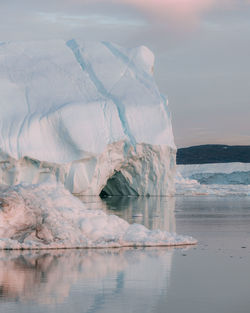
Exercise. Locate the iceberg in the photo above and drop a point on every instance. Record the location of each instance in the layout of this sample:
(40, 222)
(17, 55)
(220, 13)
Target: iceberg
(217, 173)
(87, 115)
(213, 179)
(47, 216)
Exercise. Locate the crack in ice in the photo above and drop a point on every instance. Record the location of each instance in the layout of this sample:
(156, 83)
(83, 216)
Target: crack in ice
(72, 44)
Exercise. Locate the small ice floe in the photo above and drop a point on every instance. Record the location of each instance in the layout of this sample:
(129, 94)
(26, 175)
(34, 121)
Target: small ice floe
(137, 215)
(47, 216)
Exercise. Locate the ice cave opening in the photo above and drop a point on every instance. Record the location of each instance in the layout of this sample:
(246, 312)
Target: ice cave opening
(118, 185)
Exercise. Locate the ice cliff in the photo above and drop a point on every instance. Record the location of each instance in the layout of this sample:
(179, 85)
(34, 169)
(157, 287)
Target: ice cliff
(88, 115)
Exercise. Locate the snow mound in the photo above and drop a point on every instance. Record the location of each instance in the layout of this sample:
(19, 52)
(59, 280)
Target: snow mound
(213, 179)
(48, 216)
(81, 113)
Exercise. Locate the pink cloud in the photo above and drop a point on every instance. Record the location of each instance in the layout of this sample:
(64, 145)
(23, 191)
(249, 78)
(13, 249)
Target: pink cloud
(176, 8)
(180, 13)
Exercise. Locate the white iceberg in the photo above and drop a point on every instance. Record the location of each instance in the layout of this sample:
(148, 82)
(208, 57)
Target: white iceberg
(88, 115)
(48, 216)
(217, 173)
(213, 179)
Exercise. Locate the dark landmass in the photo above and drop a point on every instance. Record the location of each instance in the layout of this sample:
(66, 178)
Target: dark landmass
(213, 154)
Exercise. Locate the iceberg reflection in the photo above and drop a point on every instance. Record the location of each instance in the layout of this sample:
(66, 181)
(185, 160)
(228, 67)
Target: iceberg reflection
(104, 277)
(152, 212)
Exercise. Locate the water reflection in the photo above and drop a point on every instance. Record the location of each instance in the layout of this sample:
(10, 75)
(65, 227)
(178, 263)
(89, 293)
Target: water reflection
(105, 278)
(152, 212)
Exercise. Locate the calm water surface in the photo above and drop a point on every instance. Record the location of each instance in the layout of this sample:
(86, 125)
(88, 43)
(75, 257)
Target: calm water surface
(213, 276)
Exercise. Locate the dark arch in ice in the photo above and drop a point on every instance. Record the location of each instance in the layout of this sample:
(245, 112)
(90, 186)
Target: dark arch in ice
(118, 185)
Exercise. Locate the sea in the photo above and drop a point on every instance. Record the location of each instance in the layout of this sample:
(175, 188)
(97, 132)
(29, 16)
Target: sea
(212, 276)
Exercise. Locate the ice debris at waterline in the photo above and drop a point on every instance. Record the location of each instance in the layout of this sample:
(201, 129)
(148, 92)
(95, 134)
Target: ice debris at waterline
(88, 115)
(48, 216)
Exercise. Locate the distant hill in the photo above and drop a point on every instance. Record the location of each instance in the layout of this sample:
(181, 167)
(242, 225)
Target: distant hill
(213, 154)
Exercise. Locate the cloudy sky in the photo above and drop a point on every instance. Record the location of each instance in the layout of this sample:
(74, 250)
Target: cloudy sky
(202, 50)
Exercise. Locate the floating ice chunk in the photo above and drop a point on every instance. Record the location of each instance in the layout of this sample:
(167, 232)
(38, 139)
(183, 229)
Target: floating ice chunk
(48, 216)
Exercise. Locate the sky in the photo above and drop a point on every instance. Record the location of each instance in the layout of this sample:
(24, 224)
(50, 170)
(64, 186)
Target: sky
(202, 51)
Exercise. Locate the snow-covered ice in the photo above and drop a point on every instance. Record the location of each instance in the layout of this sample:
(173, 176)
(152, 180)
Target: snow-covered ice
(48, 216)
(88, 115)
(213, 179)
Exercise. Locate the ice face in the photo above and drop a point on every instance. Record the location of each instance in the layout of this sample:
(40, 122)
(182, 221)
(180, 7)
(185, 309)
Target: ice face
(79, 113)
(48, 216)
